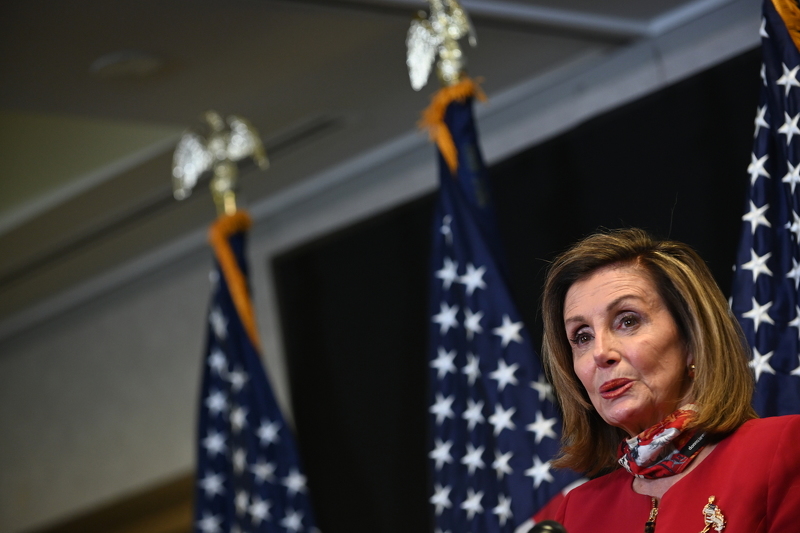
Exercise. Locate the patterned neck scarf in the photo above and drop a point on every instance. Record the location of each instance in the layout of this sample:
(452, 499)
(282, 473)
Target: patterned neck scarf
(664, 449)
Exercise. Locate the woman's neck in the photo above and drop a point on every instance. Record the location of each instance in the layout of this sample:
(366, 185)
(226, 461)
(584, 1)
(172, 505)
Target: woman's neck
(656, 488)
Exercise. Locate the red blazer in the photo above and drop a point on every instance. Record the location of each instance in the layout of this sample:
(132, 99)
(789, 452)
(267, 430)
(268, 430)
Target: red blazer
(754, 474)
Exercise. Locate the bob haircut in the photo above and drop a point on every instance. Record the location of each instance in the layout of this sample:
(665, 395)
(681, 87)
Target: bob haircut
(722, 386)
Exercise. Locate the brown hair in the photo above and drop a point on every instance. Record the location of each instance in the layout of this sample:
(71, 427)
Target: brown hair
(723, 385)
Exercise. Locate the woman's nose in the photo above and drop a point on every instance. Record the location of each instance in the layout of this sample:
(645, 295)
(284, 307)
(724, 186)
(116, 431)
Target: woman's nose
(605, 349)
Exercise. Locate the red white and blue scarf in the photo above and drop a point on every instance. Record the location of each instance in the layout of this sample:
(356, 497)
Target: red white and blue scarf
(664, 449)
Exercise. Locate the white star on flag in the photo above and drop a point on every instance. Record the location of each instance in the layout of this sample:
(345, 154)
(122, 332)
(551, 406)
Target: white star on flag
(472, 323)
(794, 273)
(501, 419)
(446, 318)
(509, 331)
(443, 408)
(756, 168)
(544, 389)
(758, 264)
(792, 176)
(472, 369)
(539, 472)
(543, 427)
(211, 485)
(504, 374)
(760, 363)
(472, 504)
(259, 510)
(446, 230)
(795, 322)
(501, 465)
(759, 314)
(473, 414)
(238, 379)
(263, 471)
(238, 418)
(448, 273)
(794, 226)
(295, 482)
(444, 362)
(472, 459)
(239, 460)
(441, 453)
(503, 509)
(219, 323)
(268, 432)
(756, 217)
(214, 443)
(789, 127)
(209, 523)
(217, 362)
(473, 279)
(293, 521)
(216, 402)
(441, 498)
(760, 121)
(242, 502)
(788, 79)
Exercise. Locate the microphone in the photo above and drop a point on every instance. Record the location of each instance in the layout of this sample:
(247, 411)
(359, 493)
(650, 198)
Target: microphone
(548, 526)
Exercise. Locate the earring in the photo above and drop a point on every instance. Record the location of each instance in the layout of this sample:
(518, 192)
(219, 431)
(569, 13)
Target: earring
(691, 370)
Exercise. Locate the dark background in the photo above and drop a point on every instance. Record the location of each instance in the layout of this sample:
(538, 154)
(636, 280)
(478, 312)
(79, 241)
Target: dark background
(354, 307)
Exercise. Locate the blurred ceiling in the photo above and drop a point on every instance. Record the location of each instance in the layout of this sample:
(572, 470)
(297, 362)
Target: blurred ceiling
(94, 95)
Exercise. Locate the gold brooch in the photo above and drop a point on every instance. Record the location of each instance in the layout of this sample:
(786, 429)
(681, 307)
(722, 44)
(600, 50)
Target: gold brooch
(712, 516)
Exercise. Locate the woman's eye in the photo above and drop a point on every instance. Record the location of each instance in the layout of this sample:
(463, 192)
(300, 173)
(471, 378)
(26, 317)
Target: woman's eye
(580, 338)
(628, 321)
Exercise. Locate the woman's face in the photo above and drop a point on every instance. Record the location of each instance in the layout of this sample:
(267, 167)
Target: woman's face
(626, 349)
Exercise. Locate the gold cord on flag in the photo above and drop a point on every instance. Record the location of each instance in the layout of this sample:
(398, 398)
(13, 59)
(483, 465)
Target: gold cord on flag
(433, 117)
(218, 234)
(790, 13)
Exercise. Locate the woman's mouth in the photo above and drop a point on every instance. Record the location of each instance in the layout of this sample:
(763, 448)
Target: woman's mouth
(614, 388)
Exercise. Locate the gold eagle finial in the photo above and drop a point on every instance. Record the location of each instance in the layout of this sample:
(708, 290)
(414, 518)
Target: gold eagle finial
(437, 34)
(216, 146)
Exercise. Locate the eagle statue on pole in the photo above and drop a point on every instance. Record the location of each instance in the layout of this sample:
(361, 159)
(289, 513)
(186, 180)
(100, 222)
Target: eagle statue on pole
(437, 34)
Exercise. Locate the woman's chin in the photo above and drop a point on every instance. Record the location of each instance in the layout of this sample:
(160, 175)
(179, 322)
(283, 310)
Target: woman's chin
(629, 418)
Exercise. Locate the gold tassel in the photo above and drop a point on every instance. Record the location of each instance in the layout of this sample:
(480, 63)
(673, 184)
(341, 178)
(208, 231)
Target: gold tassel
(790, 13)
(433, 117)
(218, 234)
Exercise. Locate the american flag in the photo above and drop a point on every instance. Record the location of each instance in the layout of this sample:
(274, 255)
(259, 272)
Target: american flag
(493, 425)
(765, 292)
(248, 473)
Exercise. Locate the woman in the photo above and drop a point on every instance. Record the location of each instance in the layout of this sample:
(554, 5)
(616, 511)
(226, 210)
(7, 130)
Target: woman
(653, 380)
